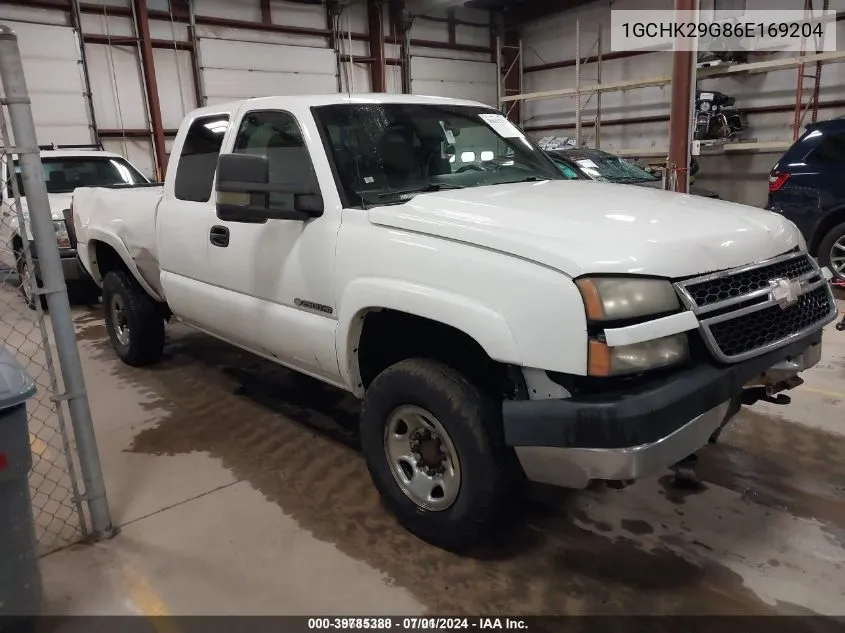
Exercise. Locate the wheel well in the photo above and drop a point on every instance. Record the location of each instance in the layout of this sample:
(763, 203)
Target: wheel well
(837, 217)
(106, 259)
(389, 336)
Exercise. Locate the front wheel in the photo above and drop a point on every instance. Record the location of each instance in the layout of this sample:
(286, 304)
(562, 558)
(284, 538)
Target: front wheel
(133, 321)
(832, 251)
(434, 449)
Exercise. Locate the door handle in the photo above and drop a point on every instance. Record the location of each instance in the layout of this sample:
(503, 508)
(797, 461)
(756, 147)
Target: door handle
(219, 236)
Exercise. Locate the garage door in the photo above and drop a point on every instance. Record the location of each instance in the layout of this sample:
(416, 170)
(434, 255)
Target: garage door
(53, 69)
(456, 78)
(240, 70)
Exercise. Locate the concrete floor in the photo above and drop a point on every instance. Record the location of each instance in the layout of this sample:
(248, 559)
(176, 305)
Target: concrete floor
(261, 504)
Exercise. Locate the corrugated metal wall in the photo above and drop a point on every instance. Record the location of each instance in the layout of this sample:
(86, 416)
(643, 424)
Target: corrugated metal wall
(739, 177)
(53, 67)
(234, 63)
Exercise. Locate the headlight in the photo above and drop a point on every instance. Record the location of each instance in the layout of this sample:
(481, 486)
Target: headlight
(611, 298)
(636, 358)
(802, 243)
(62, 237)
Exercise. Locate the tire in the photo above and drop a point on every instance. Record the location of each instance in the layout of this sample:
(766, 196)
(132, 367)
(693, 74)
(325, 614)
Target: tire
(834, 239)
(488, 470)
(25, 285)
(133, 321)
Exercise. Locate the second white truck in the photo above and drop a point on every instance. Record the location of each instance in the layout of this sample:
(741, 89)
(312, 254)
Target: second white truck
(65, 168)
(500, 323)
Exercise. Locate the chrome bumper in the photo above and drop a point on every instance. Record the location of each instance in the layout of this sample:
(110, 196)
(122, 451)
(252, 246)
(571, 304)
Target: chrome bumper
(576, 467)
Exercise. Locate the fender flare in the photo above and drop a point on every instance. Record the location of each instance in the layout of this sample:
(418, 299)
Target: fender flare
(97, 235)
(484, 325)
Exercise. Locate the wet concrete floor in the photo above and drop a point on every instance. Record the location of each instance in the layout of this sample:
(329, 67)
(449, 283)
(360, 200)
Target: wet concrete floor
(763, 532)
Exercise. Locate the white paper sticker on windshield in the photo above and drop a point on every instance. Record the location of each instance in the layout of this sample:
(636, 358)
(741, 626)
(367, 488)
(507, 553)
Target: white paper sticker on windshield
(450, 138)
(501, 125)
(586, 162)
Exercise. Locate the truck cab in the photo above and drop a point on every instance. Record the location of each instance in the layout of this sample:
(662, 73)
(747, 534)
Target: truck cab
(499, 322)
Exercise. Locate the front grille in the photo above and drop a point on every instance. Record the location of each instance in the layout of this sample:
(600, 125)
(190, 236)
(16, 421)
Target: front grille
(764, 327)
(741, 315)
(742, 283)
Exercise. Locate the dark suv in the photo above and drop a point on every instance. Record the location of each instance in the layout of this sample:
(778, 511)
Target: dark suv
(807, 186)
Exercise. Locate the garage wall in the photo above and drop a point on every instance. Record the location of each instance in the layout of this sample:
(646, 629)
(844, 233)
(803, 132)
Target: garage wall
(234, 63)
(59, 108)
(739, 176)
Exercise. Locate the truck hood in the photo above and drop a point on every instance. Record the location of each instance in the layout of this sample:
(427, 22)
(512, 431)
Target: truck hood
(58, 203)
(580, 227)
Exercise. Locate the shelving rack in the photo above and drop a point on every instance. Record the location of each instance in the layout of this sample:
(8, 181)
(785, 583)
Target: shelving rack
(819, 59)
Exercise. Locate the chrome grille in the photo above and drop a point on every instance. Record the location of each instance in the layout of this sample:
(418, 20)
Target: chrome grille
(746, 311)
(732, 286)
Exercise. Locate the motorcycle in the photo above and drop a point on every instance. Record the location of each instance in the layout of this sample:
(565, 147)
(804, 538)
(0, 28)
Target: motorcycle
(716, 118)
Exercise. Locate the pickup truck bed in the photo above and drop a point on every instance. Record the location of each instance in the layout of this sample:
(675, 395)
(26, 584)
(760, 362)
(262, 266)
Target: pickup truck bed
(131, 231)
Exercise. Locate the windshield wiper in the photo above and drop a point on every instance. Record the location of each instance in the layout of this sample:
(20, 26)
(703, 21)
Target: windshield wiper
(427, 189)
(527, 179)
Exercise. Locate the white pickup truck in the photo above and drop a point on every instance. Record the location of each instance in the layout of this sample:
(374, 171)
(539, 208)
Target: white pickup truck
(65, 168)
(499, 322)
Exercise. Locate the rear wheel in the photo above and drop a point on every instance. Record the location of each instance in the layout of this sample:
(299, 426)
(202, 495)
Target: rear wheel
(133, 321)
(28, 283)
(832, 251)
(434, 448)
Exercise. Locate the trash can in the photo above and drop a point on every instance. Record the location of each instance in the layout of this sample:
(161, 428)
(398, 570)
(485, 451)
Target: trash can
(20, 577)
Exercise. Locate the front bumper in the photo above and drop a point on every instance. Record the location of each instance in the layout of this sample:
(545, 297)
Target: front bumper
(639, 431)
(71, 267)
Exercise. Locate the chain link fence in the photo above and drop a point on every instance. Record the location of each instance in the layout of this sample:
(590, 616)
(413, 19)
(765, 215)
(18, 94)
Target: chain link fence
(27, 332)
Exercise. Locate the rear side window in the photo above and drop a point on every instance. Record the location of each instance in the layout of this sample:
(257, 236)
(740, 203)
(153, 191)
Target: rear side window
(198, 160)
(831, 149)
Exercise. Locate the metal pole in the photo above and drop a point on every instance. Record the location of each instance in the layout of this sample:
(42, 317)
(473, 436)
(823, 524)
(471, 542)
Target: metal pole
(145, 47)
(202, 100)
(44, 234)
(521, 85)
(598, 94)
(76, 16)
(683, 62)
(499, 73)
(578, 83)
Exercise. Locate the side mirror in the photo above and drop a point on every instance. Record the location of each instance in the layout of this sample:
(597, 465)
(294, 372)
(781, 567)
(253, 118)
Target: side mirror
(244, 193)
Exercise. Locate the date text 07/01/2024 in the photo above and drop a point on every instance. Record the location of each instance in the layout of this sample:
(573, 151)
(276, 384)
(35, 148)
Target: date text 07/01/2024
(417, 623)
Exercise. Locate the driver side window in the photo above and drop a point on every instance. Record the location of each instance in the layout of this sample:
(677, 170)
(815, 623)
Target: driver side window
(276, 135)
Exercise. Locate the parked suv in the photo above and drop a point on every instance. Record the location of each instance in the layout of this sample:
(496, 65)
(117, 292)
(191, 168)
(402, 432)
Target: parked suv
(807, 186)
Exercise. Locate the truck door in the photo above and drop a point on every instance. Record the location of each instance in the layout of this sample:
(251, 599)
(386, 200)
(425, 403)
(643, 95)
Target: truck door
(278, 277)
(185, 214)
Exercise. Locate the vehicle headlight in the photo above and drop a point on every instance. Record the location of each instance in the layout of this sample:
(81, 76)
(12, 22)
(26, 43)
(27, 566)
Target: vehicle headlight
(802, 242)
(62, 237)
(612, 298)
(636, 358)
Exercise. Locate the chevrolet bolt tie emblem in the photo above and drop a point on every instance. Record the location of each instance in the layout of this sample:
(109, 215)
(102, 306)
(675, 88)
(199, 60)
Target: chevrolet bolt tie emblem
(785, 291)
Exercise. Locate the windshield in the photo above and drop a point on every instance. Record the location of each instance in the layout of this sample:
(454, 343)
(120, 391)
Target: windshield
(388, 153)
(63, 175)
(609, 168)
